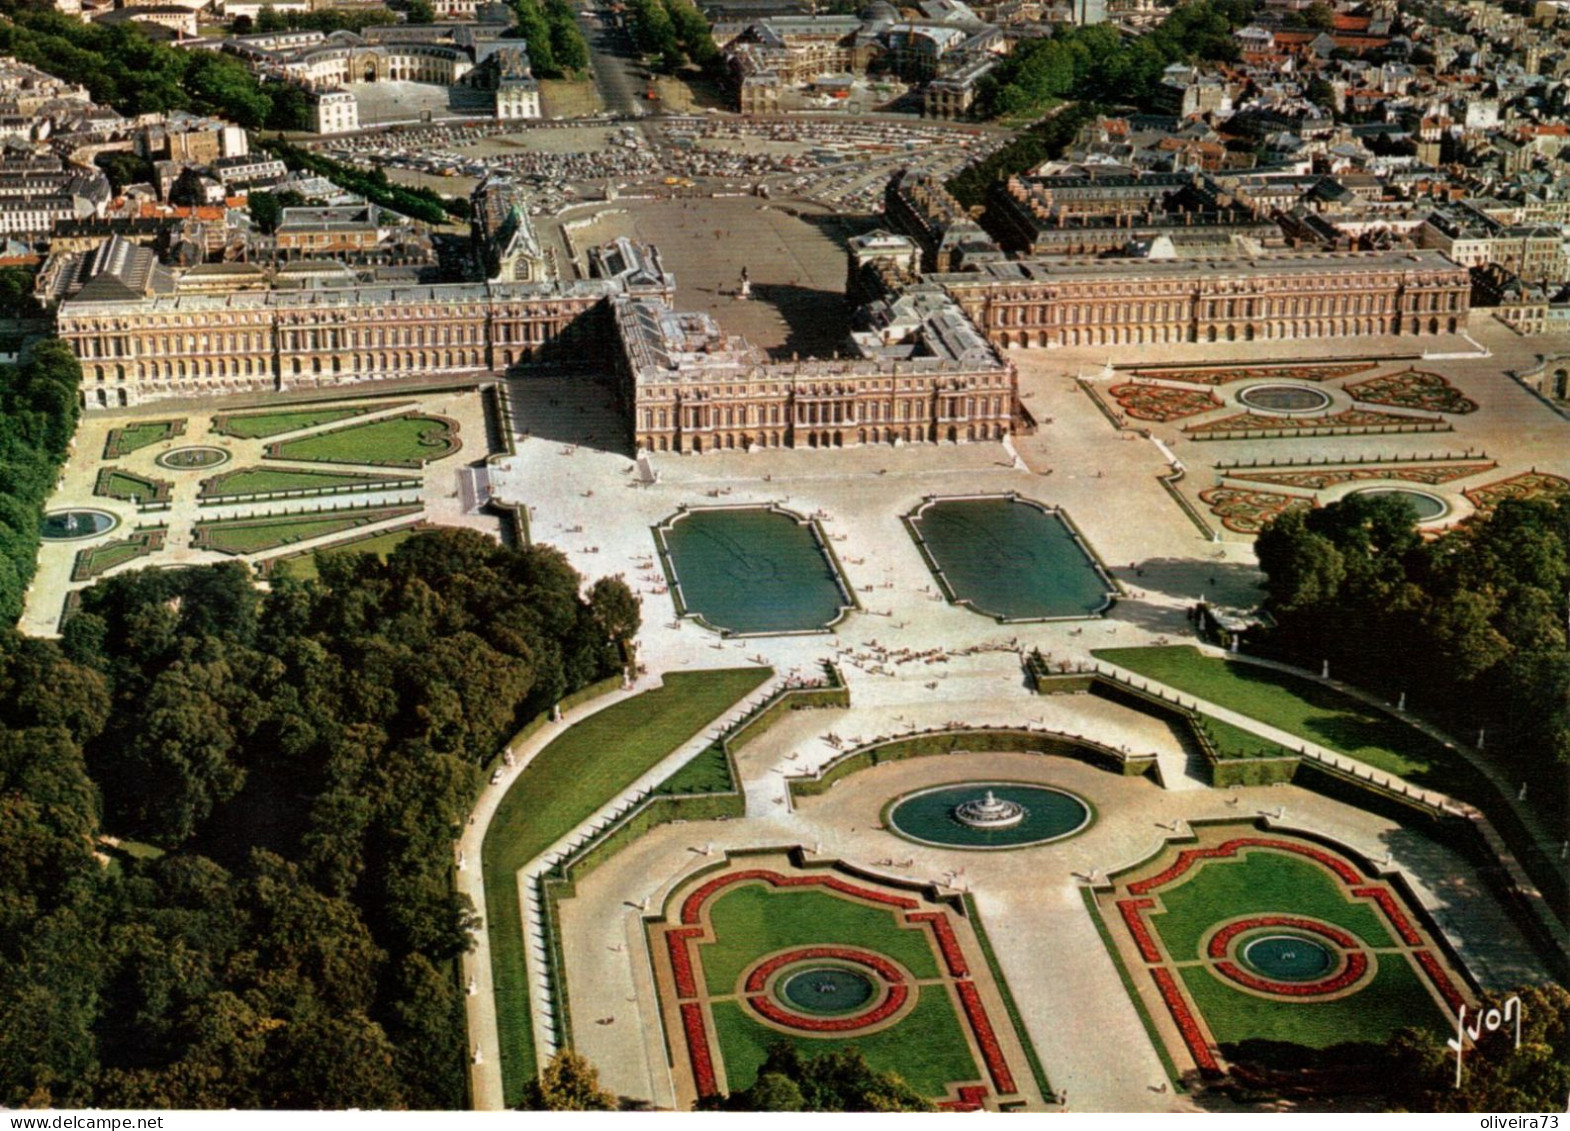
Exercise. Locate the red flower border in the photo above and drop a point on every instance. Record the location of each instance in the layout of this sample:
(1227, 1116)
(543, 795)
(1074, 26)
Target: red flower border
(1184, 1017)
(681, 959)
(1190, 856)
(679, 939)
(970, 1098)
(1222, 939)
(981, 1026)
(947, 943)
(697, 1032)
(1356, 966)
(692, 906)
(777, 1013)
(1398, 920)
(1440, 977)
(1134, 920)
(886, 970)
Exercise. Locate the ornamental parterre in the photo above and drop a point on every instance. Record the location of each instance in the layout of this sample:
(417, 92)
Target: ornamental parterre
(897, 993)
(1222, 958)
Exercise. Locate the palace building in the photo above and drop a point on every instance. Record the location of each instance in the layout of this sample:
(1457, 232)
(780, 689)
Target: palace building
(140, 337)
(1275, 297)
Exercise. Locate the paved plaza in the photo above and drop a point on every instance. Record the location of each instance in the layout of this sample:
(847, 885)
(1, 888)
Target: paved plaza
(794, 253)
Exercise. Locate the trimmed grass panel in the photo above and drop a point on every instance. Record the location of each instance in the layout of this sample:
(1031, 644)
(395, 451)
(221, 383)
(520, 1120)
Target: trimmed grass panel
(142, 490)
(101, 559)
(1261, 882)
(253, 535)
(926, 1048)
(265, 480)
(707, 771)
(567, 781)
(1300, 706)
(411, 440)
(754, 919)
(261, 425)
(302, 567)
(1395, 999)
(128, 438)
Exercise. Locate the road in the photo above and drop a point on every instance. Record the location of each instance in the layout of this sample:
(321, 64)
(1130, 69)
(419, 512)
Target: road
(613, 63)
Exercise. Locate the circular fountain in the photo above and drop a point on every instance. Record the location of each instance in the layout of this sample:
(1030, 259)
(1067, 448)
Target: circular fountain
(987, 815)
(989, 812)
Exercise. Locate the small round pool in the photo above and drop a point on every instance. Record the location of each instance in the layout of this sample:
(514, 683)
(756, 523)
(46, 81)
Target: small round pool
(1037, 814)
(827, 990)
(80, 522)
(194, 458)
(1426, 507)
(1284, 398)
(1288, 958)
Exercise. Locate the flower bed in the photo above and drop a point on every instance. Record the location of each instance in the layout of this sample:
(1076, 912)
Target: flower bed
(947, 943)
(1528, 485)
(1190, 856)
(681, 959)
(1187, 1025)
(692, 906)
(885, 969)
(972, 1098)
(1245, 511)
(986, 1039)
(697, 1032)
(777, 1013)
(1356, 966)
(1135, 921)
(1441, 978)
(1398, 919)
(1226, 375)
(1162, 403)
(1413, 388)
(1248, 423)
(1321, 478)
(1221, 941)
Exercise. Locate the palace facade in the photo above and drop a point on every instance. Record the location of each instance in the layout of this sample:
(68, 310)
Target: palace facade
(1276, 297)
(145, 343)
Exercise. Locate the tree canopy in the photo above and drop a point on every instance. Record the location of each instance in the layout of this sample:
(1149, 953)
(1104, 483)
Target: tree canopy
(838, 1080)
(289, 771)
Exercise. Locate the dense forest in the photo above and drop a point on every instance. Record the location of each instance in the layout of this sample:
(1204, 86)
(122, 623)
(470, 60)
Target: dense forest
(38, 411)
(272, 923)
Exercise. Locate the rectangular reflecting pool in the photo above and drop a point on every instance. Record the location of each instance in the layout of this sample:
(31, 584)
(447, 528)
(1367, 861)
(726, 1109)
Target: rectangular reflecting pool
(751, 571)
(1009, 558)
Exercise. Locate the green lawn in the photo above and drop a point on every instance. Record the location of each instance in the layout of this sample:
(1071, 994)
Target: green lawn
(926, 1048)
(303, 568)
(754, 919)
(1395, 999)
(260, 480)
(101, 559)
(1261, 882)
(411, 440)
(567, 781)
(1302, 707)
(115, 484)
(707, 771)
(130, 437)
(260, 425)
(1235, 742)
(253, 535)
